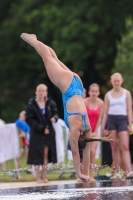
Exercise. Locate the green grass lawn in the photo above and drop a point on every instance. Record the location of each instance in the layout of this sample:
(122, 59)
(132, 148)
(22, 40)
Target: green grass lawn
(5, 177)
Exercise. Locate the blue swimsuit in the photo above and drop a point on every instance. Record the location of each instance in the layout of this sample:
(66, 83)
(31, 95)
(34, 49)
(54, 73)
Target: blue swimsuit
(75, 88)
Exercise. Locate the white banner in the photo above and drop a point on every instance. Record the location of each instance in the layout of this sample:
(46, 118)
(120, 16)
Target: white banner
(9, 142)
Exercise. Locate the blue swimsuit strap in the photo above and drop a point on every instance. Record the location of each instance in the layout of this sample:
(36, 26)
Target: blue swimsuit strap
(85, 127)
(76, 113)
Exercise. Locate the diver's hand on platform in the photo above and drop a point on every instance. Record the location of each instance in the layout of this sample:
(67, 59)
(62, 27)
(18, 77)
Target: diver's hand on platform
(85, 179)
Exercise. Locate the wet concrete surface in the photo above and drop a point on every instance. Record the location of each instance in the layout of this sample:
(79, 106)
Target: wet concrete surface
(101, 190)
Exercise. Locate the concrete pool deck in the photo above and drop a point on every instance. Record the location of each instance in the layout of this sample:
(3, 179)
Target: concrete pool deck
(67, 190)
(34, 184)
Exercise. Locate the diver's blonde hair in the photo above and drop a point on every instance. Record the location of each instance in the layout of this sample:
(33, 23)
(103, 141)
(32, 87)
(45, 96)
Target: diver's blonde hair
(116, 74)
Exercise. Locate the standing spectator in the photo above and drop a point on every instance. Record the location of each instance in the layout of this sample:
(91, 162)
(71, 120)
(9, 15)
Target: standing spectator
(94, 106)
(117, 119)
(41, 112)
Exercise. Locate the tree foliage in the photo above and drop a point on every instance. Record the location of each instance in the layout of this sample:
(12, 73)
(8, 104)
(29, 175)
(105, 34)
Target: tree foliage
(124, 58)
(84, 35)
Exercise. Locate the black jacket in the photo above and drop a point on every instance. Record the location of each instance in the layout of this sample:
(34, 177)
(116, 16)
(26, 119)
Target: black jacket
(38, 122)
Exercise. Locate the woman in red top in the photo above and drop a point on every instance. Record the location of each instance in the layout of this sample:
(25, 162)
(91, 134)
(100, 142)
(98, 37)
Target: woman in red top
(94, 106)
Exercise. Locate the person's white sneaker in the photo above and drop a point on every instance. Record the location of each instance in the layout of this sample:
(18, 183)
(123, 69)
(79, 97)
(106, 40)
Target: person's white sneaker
(116, 176)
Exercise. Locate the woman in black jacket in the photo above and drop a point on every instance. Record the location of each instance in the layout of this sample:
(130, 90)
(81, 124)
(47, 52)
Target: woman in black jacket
(40, 113)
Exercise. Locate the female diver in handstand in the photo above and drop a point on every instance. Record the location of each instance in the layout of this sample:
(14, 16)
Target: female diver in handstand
(75, 114)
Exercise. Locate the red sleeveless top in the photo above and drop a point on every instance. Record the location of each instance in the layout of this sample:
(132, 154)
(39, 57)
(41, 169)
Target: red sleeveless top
(93, 117)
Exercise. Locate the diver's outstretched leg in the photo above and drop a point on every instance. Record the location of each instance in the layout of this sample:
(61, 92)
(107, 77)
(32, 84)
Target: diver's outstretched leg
(58, 76)
(53, 54)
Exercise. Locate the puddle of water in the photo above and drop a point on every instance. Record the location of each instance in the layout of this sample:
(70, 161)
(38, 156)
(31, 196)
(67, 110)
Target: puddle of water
(72, 192)
(101, 190)
(121, 194)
